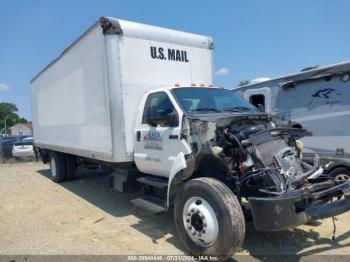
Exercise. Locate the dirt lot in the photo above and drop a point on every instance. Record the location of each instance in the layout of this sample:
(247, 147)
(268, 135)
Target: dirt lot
(38, 216)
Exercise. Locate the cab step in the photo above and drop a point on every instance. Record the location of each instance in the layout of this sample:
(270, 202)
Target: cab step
(157, 182)
(149, 204)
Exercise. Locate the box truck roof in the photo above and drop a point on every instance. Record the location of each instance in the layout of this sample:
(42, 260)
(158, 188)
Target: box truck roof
(110, 25)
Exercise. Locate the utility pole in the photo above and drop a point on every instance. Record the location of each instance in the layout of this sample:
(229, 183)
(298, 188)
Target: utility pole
(6, 117)
(5, 124)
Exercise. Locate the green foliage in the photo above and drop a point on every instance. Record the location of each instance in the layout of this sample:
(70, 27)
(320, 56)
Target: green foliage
(243, 83)
(8, 113)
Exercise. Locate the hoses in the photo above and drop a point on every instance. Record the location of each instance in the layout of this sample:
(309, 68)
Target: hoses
(233, 137)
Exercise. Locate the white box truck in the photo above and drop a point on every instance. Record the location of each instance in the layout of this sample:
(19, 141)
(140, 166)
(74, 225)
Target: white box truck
(138, 99)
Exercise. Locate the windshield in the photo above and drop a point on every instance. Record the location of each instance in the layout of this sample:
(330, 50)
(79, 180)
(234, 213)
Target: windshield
(200, 99)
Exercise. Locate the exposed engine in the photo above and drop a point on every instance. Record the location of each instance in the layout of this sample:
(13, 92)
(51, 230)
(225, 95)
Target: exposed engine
(261, 157)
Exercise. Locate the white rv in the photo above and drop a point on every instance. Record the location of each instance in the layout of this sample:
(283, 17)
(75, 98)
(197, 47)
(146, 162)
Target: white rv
(319, 100)
(139, 100)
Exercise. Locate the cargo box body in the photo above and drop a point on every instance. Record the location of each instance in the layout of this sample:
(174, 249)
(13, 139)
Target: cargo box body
(84, 103)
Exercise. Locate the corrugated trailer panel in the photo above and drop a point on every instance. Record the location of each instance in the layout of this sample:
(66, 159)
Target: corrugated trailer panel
(70, 101)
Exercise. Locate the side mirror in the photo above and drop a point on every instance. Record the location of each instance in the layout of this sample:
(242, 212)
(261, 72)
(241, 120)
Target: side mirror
(170, 120)
(154, 120)
(173, 119)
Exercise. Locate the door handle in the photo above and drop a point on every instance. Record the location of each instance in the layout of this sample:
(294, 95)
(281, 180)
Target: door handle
(138, 136)
(173, 137)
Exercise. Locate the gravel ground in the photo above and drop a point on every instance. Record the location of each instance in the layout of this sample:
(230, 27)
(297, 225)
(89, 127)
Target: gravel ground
(83, 216)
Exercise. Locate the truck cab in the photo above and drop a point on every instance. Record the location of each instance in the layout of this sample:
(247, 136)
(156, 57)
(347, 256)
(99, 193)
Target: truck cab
(161, 125)
(208, 149)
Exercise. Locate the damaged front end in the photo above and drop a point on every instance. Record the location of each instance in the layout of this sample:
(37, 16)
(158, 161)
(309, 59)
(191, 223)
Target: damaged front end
(260, 160)
(296, 207)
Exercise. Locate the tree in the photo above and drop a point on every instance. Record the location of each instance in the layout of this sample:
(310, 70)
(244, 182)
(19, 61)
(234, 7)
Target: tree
(9, 116)
(243, 83)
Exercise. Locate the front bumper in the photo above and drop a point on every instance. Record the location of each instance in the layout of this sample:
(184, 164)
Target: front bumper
(23, 153)
(297, 207)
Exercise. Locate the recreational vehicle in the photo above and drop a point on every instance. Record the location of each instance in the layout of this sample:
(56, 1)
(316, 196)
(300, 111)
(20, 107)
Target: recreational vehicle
(318, 99)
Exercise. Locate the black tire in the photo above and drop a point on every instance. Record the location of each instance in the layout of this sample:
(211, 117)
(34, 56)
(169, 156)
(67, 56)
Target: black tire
(338, 172)
(71, 166)
(228, 212)
(58, 169)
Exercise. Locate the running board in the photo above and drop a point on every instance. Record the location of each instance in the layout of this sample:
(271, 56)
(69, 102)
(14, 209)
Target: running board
(154, 181)
(148, 205)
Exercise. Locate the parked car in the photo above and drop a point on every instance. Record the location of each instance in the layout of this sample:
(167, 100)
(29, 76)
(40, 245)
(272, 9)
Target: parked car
(6, 144)
(24, 148)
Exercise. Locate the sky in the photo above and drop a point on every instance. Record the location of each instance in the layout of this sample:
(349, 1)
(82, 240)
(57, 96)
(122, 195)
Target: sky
(252, 38)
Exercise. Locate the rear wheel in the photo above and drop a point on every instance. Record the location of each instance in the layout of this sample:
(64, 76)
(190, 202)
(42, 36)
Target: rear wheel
(209, 218)
(71, 165)
(57, 167)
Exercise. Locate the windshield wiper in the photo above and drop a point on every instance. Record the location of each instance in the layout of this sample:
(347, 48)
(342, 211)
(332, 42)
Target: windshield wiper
(239, 109)
(205, 109)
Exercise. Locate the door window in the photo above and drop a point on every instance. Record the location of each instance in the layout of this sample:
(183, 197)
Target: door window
(158, 105)
(258, 99)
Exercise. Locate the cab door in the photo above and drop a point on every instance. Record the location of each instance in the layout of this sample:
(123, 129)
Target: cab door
(156, 146)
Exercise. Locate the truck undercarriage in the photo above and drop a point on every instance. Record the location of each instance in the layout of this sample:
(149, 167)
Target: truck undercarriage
(259, 160)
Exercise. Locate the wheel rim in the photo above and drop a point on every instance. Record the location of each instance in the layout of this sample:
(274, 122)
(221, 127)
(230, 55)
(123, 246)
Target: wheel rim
(53, 167)
(342, 177)
(200, 221)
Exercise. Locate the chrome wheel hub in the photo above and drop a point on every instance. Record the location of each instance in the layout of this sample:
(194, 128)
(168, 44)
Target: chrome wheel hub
(200, 221)
(53, 167)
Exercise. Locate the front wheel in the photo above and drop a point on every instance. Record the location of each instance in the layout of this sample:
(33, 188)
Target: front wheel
(209, 218)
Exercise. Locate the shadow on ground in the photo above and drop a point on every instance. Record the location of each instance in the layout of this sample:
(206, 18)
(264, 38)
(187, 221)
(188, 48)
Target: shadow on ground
(93, 186)
(266, 246)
